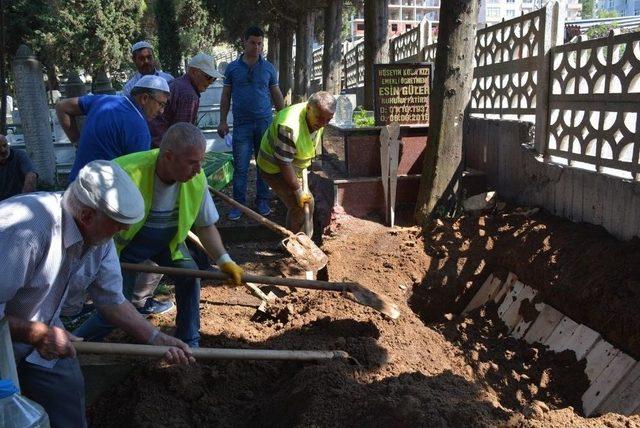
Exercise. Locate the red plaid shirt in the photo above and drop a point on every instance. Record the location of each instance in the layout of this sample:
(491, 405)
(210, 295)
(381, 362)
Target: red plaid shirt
(182, 107)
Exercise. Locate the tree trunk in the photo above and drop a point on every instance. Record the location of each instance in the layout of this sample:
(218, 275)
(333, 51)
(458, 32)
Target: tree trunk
(304, 56)
(376, 43)
(453, 76)
(169, 51)
(286, 60)
(273, 52)
(3, 63)
(332, 55)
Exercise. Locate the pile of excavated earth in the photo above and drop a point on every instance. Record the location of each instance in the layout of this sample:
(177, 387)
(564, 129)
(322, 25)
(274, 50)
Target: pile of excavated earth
(431, 367)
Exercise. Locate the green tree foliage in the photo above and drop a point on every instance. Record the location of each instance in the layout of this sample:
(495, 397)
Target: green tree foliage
(602, 30)
(168, 36)
(587, 8)
(198, 31)
(94, 34)
(87, 34)
(27, 21)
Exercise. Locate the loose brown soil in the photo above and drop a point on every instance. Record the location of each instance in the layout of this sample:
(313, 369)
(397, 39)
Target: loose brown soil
(428, 368)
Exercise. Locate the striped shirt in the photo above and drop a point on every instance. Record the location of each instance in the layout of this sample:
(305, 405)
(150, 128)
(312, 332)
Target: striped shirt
(46, 263)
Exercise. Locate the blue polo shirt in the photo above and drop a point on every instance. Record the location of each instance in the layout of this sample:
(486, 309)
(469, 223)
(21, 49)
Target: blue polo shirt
(250, 89)
(114, 126)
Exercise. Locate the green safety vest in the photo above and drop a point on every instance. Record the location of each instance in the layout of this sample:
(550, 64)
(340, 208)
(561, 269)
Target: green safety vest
(293, 122)
(141, 167)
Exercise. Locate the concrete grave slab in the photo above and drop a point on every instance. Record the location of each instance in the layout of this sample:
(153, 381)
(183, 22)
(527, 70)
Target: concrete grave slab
(626, 396)
(510, 298)
(560, 335)
(598, 358)
(544, 325)
(610, 377)
(581, 340)
(484, 294)
(523, 326)
(511, 316)
(508, 283)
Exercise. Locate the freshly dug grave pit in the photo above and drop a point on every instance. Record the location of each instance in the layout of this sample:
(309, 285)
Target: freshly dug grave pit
(423, 369)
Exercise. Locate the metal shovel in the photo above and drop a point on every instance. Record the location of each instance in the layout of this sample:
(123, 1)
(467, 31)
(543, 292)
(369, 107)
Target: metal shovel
(355, 291)
(299, 245)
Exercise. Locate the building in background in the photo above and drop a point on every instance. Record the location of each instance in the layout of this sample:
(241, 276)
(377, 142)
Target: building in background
(494, 11)
(407, 14)
(403, 16)
(622, 7)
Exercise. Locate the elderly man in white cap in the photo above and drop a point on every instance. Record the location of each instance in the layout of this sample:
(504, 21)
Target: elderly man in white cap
(142, 56)
(57, 247)
(114, 125)
(185, 95)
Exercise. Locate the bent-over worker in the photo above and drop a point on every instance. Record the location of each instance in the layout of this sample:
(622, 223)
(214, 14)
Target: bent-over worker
(288, 146)
(55, 248)
(176, 198)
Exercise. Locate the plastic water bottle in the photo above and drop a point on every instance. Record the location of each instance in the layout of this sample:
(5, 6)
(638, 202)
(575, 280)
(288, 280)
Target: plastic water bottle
(17, 411)
(344, 112)
(228, 139)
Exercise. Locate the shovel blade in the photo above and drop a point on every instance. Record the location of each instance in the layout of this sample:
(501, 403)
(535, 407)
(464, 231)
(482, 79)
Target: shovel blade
(305, 252)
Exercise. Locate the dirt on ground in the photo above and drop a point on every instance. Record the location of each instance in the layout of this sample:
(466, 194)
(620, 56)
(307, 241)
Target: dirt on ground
(428, 368)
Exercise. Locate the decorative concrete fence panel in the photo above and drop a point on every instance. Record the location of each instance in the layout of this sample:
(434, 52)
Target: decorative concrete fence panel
(354, 66)
(594, 105)
(408, 46)
(316, 71)
(510, 70)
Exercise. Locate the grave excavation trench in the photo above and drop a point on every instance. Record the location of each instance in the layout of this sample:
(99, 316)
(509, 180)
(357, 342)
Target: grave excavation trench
(422, 370)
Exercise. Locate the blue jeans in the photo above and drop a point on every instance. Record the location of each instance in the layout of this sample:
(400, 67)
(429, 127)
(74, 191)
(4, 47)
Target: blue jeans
(246, 142)
(187, 291)
(60, 390)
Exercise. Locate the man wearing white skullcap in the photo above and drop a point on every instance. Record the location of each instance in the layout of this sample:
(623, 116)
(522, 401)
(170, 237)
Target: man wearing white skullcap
(142, 56)
(56, 248)
(114, 126)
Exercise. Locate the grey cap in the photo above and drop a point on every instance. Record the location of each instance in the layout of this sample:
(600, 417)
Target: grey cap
(206, 64)
(152, 81)
(142, 44)
(104, 186)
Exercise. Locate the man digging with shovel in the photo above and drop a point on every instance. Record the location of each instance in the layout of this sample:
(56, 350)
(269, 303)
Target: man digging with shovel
(287, 148)
(176, 199)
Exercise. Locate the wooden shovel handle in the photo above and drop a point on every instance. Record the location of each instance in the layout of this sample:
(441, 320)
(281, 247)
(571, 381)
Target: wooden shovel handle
(260, 279)
(252, 214)
(206, 353)
(307, 211)
(253, 288)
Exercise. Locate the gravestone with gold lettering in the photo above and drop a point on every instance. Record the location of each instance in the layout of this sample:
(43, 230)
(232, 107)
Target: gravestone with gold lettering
(402, 93)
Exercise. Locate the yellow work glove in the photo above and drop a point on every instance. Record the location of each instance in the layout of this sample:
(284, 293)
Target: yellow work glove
(230, 267)
(303, 197)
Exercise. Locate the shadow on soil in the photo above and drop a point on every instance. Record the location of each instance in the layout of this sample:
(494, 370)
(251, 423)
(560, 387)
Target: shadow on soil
(283, 394)
(463, 253)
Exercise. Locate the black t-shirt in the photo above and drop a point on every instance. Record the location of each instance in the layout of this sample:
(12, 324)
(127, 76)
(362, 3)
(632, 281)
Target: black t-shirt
(12, 173)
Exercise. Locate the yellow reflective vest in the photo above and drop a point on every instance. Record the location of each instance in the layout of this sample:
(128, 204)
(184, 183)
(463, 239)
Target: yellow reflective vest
(141, 167)
(289, 127)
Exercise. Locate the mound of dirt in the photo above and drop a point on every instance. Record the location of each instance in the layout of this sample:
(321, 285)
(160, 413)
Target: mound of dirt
(459, 372)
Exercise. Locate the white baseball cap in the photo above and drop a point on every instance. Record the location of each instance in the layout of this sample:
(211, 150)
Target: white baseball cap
(142, 44)
(152, 81)
(104, 186)
(206, 64)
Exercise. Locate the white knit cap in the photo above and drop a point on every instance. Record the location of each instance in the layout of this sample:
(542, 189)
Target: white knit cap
(152, 81)
(205, 63)
(142, 44)
(104, 186)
